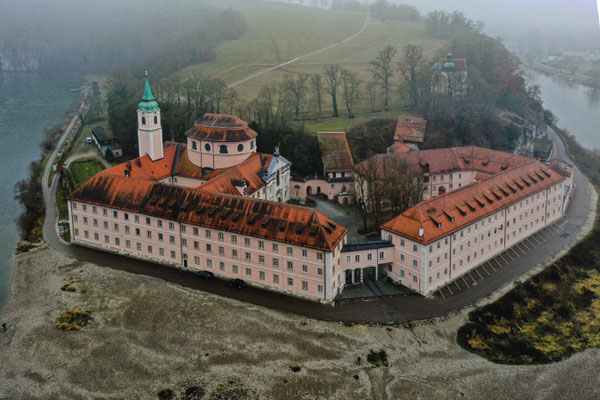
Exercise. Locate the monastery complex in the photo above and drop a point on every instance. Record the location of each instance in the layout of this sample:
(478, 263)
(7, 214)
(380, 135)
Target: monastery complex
(216, 204)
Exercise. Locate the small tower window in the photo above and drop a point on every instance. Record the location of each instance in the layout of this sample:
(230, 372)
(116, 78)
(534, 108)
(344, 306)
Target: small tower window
(223, 149)
(240, 148)
(143, 120)
(194, 145)
(155, 119)
(207, 147)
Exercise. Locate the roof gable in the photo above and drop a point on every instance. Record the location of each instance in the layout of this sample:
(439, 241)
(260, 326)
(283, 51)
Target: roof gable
(335, 151)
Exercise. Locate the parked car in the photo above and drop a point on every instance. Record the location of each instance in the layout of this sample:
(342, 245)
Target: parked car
(205, 274)
(237, 283)
(89, 140)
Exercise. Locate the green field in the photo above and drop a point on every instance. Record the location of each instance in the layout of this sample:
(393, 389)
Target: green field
(344, 123)
(82, 171)
(279, 32)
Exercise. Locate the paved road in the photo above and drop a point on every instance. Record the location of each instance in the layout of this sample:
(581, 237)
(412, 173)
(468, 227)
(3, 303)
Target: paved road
(50, 227)
(312, 53)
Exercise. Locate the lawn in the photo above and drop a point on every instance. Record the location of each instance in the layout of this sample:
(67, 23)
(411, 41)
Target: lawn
(343, 124)
(277, 32)
(82, 171)
(355, 56)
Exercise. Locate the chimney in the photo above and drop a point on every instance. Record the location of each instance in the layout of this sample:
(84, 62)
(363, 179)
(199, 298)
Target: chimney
(421, 232)
(127, 173)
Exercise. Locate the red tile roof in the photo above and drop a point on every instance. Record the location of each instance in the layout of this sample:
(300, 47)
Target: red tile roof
(398, 147)
(221, 128)
(335, 151)
(469, 158)
(410, 129)
(285, 223)
(145, 168)
(446, 214)
(248, 171)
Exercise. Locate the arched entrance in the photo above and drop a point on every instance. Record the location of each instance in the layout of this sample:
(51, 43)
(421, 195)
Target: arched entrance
(308, 190)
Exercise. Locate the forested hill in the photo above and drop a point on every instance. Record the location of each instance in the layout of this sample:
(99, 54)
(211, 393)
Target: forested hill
(93, 37)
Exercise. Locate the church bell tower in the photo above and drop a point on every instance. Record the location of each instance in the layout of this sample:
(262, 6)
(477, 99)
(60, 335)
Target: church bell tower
(149, 127)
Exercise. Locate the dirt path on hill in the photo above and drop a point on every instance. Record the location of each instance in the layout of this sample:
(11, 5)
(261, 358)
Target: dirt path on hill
(148, 336)
(312, 53)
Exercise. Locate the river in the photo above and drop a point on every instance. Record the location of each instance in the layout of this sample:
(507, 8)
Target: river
(29, 103)
(576, 106)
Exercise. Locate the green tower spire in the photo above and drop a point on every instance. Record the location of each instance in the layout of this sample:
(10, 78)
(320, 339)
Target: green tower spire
(148, 103)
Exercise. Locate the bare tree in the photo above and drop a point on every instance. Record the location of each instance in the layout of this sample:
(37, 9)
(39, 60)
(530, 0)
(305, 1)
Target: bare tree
(230, 100)
(297, 87)
(402, 184)
(409, 66)
(372, 91)
(332, 75)
(271, 107)
(367, 192)
(316, 83)
(351, 86)
(216, 88)
(382, 68)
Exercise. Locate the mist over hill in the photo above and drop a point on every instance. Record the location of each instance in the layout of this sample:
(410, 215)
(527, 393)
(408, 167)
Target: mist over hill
(546, 25)
(92, 36)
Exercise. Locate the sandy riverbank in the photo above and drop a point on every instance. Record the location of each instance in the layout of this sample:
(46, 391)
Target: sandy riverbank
(148, 335)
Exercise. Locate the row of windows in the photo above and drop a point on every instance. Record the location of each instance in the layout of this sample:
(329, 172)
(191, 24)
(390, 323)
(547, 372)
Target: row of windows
(195, 231)
(115, 214)
(261, 274)
(369, 257)
(248, 243)
(223, 149)
(117, 242)
(209, 263)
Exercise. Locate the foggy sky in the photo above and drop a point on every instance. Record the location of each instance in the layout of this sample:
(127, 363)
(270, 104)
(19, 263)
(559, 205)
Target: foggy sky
(562, 23)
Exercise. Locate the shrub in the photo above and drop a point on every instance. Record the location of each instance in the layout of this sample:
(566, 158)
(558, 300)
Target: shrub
(72, 320)
(377, 358)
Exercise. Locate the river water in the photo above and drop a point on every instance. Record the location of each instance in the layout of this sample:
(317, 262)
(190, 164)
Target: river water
(29, 103)
(577, 107)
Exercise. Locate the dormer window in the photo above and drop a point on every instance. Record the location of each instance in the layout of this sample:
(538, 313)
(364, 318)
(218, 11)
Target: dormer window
(194, 145)
(143, 120)
(223, 149)
(240, 148)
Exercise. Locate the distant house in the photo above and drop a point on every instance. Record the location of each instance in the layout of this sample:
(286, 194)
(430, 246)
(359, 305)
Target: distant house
(106, 143)
(410, 131)
(449, 76)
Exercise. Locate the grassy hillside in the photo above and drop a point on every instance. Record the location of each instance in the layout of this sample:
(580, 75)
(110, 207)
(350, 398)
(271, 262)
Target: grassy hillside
(355, 54)
(277, 32)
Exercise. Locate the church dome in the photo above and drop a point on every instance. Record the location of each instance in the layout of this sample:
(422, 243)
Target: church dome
(449, 65)
(221, 128)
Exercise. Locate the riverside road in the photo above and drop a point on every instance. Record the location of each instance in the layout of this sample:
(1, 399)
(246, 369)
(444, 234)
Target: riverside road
(385, 309)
